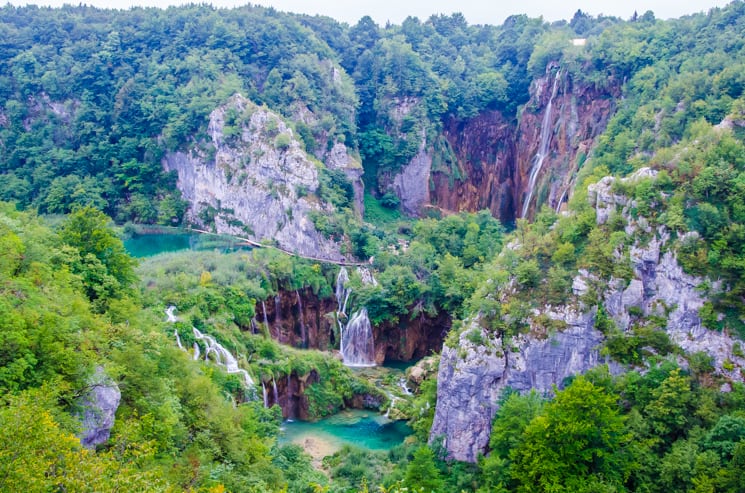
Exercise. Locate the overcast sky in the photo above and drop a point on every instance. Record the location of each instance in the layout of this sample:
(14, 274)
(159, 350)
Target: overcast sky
(475, 11)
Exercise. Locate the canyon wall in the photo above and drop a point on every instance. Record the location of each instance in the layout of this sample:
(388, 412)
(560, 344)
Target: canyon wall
(486, 162)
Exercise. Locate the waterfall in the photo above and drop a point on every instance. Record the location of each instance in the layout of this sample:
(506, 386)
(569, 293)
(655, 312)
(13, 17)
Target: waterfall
(302, 322)
(342, 292)
(561, 199)
(169, 313)
(172, 319)
(222, 356)
(545, 142)
(265, 395)
(266, 320)
(356, 345)
(276, 392)
(404, 388)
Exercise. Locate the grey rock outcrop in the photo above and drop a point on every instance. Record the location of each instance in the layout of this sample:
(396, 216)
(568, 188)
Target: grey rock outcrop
(98, 408)
(254, 180)
(473, 375)
(339, 158)
(411, 185)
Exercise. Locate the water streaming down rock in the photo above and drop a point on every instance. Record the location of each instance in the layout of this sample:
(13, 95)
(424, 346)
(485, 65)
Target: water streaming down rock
(342, 291)
(545, 142)
(223, 357)
(266, 320)
(357, 345)
(264, 394)
(178, 340)
(404, 388)
(275, 391)
(561, 200)
(302, 322)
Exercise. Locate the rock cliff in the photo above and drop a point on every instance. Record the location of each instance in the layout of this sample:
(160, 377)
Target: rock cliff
(474, 371)
(302, 319)
(253, 179)
(486, 162)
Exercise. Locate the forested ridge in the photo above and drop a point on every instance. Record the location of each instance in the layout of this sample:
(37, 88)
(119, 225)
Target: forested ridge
(92, 100)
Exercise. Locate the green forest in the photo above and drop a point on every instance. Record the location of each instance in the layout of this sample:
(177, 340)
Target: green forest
(92, 101)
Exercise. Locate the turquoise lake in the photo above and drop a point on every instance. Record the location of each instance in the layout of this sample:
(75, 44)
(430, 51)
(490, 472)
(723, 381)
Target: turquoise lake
(365, 429)
(149, 244)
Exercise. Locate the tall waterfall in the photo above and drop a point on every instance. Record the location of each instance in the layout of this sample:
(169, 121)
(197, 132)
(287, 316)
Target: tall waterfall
(222, 356)
(545, 142)
(276, 392)
(357, 345)
(277, 313)
(264, 394)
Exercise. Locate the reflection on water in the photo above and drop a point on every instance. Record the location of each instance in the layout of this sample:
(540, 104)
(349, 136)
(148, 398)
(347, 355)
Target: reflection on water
(147, 245)
(365, 429)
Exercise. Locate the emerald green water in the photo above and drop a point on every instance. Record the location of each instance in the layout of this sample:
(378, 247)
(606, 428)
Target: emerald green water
(364, 429)
(147, 245)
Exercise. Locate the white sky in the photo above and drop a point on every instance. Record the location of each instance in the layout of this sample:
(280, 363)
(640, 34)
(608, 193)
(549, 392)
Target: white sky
(395, 11)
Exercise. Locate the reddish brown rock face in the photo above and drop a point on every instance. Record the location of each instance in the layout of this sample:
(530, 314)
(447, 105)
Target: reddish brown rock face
(302, 319)
(495, 155)
(485, 149)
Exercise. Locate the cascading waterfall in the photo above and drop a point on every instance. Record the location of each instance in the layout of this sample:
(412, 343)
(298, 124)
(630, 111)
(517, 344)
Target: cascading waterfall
(302, 322)
(545, 142)
(357, 345)
(404, 388)
(222, 356)
(342, 291)
(172, 319)
(178, 340)
(265, 395)
(276, 392)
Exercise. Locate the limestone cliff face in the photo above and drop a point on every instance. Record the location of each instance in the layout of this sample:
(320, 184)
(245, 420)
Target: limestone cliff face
(474, 372)
(473, 375)
(492, 157)
(253, 179)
